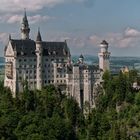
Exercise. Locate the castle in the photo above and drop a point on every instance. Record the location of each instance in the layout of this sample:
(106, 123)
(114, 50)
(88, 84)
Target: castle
(42, 63)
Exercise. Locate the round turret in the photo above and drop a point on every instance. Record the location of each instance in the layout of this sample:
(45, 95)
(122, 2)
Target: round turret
(104, 46)
(104, 56)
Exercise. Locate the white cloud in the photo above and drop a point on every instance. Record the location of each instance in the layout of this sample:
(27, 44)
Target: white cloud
(128, 38)
(13, 19)
(130, 32)
(39, 18)
(31, 5)
(17, 18)
(89, 44)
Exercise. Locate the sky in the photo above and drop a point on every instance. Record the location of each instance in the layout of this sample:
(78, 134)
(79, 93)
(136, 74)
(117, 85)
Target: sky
(82, 23)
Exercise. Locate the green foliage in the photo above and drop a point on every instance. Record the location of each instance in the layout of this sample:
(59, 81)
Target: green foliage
(38, 115)
(50, 115)
(137, 99)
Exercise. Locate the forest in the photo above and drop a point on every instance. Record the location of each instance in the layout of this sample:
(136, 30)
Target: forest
(50, 115)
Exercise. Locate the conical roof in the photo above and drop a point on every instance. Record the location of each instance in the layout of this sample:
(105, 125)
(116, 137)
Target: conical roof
(38, 38)
(81, 56)
(25, 20)
(104, 42)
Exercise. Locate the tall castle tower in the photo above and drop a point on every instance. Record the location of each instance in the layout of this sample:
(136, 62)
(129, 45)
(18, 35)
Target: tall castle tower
(25, 30)
(39, 60)
(104, 56)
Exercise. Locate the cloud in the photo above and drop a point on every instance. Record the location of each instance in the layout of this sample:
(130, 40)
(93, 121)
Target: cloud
(33, 5)
(130, 37)
(11, 19)
(39, 18)
(89, 44)
(130, 32)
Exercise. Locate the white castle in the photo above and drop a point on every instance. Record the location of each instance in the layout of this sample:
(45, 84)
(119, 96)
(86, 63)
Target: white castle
(42, 63)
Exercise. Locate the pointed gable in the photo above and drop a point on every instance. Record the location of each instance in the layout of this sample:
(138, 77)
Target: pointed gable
(9, 50)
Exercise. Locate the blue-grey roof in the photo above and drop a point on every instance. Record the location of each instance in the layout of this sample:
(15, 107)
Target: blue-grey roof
(28, 47)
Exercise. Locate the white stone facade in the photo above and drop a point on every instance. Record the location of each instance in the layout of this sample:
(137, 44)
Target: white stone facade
(42, 63)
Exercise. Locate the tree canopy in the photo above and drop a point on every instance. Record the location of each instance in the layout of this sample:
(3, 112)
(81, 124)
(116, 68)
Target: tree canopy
(49, 114)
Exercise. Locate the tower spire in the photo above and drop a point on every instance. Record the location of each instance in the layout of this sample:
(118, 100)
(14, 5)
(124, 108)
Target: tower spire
(38, 38)
(25, 30)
